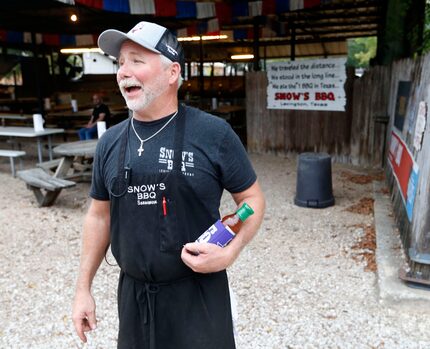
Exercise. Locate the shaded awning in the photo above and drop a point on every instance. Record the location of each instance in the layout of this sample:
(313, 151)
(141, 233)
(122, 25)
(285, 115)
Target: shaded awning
(313, 26)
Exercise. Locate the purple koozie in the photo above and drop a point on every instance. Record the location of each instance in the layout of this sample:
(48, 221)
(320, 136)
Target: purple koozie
(217, 234)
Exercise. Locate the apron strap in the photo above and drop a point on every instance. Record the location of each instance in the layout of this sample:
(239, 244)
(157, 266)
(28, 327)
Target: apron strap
(123, 148)
(179, 138)
(145, 297)
(146, 292)
(123, 172)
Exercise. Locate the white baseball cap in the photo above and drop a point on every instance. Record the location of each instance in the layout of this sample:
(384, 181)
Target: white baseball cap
(152, 36)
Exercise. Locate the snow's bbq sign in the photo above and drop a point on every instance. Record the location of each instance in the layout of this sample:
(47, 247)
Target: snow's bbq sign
(307, 84)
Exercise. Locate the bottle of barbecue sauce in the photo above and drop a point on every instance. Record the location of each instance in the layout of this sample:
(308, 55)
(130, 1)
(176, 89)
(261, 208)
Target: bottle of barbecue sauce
(224, 230)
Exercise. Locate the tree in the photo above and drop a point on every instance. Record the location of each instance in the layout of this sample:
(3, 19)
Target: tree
(361, 51)
(426, 34)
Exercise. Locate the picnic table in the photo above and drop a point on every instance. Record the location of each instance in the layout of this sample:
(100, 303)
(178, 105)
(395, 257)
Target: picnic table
(76, 156)
(29, 132)
(69, 120)
(50, 177)
(15, 117)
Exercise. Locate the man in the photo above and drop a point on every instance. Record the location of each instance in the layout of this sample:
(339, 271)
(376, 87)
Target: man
(100, 113)
(157, 183)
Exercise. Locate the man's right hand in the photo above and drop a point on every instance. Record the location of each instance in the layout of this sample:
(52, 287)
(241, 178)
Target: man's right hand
(84, 314)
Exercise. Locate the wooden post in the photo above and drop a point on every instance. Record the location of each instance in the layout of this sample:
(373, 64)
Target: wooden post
(201, 77)
(37, 72)
(256, 45)
(293, 42)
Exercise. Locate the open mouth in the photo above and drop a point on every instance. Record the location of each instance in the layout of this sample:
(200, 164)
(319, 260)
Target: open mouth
(132, 89)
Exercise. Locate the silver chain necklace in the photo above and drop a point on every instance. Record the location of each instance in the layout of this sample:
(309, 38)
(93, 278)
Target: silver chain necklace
(140, 150)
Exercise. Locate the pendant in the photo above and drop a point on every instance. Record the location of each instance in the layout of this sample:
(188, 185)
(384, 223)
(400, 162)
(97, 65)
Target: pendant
(140, 150)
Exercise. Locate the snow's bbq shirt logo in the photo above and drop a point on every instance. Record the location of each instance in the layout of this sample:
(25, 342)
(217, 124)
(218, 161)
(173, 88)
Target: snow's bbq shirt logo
(167, 156)
(146, 194)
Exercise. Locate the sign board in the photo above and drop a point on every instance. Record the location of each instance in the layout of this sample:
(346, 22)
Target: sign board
(420, 125)
(403, 92)
(307, 84)
(405, 170)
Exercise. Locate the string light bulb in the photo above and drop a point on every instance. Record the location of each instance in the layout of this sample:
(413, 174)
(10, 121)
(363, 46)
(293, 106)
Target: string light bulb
(73, 18)
(203, 37)
(80, 50)
(242, 56)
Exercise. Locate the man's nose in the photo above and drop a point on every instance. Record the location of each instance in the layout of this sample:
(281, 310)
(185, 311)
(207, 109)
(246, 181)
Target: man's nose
(123, 72)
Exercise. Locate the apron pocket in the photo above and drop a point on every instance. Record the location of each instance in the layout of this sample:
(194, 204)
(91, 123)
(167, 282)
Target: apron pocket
(170, 232)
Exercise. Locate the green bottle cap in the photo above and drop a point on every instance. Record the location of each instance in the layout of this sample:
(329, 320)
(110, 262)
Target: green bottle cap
(244, 212)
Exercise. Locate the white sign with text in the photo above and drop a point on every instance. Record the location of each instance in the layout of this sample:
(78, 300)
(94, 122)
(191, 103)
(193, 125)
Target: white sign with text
(307, 84)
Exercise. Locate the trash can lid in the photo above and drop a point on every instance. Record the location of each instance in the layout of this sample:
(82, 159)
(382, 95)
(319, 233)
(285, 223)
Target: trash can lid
(313, 156)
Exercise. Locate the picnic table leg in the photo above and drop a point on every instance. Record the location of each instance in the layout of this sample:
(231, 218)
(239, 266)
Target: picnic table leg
(46, 199)
(39, 149)
(12, 143)
(64, 167)
(50, 147)
(12, 166)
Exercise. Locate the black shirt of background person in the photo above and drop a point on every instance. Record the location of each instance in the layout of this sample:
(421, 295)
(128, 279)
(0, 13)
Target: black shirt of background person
(100, 109)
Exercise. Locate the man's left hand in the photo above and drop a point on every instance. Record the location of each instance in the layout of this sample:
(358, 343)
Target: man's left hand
(205, 257)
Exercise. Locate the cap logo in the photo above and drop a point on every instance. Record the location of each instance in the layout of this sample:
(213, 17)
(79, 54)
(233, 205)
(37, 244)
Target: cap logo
(137, 27)
(171, 50)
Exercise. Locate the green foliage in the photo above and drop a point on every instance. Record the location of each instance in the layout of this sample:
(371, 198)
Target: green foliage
(361, 51)
(426, 34)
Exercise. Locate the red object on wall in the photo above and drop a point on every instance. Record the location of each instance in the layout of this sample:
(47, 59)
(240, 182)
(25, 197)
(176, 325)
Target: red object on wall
(401, 162)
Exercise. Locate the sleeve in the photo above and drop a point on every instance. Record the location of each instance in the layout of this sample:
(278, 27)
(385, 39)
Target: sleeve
(237, 173)
(98, 188)
(105, 110)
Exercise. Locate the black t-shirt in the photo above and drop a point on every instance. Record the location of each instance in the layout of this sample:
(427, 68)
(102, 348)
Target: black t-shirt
(213, 157)
(100, 109)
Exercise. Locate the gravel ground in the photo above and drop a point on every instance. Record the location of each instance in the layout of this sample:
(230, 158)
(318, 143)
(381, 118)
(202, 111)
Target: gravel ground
(303, 282)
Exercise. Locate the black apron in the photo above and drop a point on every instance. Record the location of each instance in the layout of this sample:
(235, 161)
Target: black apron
(163, 304)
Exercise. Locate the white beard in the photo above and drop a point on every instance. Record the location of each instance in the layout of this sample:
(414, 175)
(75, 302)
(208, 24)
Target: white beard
(150, 92)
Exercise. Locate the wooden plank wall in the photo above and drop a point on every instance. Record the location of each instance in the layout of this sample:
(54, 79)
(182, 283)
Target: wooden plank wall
(349, 137)
(369, 102)
(415, 234)
(354, 137)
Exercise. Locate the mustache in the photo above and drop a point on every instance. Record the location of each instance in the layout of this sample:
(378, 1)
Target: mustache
(124, 83)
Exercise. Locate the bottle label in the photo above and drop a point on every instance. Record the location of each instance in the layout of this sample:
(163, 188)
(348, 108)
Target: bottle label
(217, 234)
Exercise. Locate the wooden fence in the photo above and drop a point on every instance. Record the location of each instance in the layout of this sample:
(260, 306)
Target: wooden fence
(415, 233)
(294, 131)
(349, 137)
(359, 136)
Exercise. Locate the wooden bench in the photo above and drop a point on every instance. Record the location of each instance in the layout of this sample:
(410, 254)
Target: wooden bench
(80, 168)
(49, 166)
(44, 186)
(12, 154)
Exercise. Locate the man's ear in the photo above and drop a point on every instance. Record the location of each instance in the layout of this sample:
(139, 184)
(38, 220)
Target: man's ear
(175, 72)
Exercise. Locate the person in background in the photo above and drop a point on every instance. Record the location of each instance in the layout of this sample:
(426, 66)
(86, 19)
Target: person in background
(100, 112)
(158, 178)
